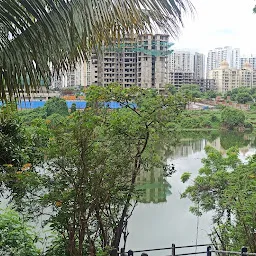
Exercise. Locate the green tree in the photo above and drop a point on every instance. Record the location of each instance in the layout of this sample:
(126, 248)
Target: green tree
(243, 98)
(27, 116)
(241, 94)
(94, 158)
(211, 94)
(192, 90)
(16, 237)
(231, 118)
(66, 34)
(73, 108)
(56, 106)
(171, 88)
(226, 186)
(54, 120)
(20, 152)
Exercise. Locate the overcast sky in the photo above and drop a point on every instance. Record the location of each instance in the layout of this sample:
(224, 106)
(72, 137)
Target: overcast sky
(219, 23)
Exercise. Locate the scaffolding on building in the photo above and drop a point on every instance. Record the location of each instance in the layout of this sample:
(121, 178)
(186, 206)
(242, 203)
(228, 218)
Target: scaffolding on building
(138, 47)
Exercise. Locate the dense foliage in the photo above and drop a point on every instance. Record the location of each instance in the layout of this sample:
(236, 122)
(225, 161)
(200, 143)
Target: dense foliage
(16, 237)
(192, 90)
(226, 186)
(89, 163)
(242, 95)
(56, 106)
(231, 118)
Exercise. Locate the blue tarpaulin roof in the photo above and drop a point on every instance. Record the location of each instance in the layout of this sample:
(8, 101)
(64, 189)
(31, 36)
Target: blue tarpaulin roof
(79, 104)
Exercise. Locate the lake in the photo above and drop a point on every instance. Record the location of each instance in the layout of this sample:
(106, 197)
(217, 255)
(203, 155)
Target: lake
(162, 217)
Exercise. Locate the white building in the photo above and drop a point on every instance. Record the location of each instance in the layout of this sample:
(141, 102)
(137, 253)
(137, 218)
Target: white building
(74, 77)
(227, 78)
(181, 61)
(185, 67)
(188, 62)
(236, 58)
(218, 55)
(251, 60)
(199, 65)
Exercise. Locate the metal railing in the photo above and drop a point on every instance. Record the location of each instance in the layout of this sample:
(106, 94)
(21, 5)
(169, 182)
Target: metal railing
(243, 252)
(173, 248)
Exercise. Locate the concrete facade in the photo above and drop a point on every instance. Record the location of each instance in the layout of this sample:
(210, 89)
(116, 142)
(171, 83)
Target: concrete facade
(137, 60)
(179, 78)
(206, 84)
(186, 67)
(187, 62)
(199, 65)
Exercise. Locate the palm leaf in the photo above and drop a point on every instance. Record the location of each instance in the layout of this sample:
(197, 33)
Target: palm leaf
(37, 33)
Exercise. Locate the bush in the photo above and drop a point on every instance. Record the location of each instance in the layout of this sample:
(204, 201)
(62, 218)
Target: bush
(214, 118)
(206, 124)
(231, 118)
(56, 106)
(16, 237)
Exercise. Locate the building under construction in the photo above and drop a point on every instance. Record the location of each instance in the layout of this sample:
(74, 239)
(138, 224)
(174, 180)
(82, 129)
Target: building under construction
(136, 60)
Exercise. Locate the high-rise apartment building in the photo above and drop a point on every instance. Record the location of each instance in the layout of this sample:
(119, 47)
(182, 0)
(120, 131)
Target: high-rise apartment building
(236, 58)
(229, 78)
(185, 67)
(181, 61)
(251, 60)
(186, 61)
(137, 60)
(74, 77)
(218, 55)
(199, 65)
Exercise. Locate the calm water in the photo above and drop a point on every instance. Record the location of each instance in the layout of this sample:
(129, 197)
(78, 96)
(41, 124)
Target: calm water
(162, 218)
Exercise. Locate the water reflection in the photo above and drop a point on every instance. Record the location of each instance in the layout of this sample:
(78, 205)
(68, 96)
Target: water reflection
(153, 186)
(245, 143)
(188, 147)
(162, 218)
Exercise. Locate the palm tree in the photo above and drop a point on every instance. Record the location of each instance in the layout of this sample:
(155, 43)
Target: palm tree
(37, 35)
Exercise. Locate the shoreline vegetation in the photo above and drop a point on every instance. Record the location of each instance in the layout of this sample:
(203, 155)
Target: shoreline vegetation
(215, 120)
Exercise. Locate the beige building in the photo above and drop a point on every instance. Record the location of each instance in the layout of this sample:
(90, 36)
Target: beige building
(227, 78)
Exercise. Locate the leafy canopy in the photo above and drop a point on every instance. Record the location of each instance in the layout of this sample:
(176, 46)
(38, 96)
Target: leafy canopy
(56, 105)
(16, 237)
(226, 186)
(231, 118)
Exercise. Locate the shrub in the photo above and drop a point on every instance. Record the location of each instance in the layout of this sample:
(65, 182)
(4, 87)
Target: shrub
(231, 118)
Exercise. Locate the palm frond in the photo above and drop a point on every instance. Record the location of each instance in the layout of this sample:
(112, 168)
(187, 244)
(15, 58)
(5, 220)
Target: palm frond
(37, 33)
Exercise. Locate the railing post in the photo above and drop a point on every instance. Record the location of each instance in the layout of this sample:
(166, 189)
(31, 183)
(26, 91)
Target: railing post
(130, 253)
(122, 252)
(243, 251)
(209, 252)
(173, 250)
(113, 252)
